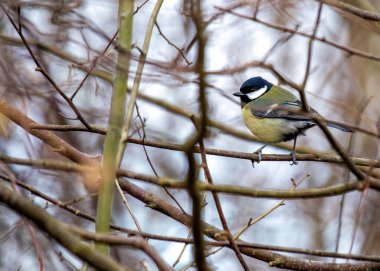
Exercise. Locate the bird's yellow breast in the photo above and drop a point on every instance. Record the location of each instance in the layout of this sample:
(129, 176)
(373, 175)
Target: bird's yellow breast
(270, 130)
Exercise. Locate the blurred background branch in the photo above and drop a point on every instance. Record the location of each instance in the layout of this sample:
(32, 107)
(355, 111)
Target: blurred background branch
(56, 78)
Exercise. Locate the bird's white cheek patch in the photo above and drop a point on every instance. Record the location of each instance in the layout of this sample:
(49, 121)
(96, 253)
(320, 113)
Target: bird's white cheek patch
(256, 94)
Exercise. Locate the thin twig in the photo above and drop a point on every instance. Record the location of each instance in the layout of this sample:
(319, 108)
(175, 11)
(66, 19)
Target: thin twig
(94, 63)
(279, 204)
(219, 207)
(138, 242)
(335, 144)
(79, 199)
(254, 221)
(305, 106)
(180, 51)
(363, 196)
(57, 231)
(149, 160)
(182, 250)
(124, 199)
(362, 106)
(282, 28)
(365, 14)
(43, 71)
(29, 226)
(139, 7)
(36, 244)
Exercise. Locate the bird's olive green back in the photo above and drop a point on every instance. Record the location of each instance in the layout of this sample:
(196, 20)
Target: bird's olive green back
(276, 95)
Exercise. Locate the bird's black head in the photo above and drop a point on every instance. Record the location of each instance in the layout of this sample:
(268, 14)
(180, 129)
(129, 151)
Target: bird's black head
(253, 88)
(254, 84)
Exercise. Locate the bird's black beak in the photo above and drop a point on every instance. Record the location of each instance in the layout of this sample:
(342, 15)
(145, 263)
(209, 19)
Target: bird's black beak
(239, 94)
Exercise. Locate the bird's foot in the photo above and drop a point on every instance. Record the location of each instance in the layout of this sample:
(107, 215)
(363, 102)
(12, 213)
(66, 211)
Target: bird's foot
(259, 157)
(294, 161)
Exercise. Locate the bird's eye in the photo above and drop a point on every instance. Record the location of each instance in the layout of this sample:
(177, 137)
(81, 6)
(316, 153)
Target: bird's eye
(257, 93)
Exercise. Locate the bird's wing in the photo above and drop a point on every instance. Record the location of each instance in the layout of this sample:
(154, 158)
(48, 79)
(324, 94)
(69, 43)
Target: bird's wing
(286, 110)
(291, 110)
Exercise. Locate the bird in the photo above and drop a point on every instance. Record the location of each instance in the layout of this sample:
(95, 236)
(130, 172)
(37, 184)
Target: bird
(274, 114)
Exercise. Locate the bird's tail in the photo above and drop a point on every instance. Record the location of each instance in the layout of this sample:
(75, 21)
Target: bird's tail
(340, 127)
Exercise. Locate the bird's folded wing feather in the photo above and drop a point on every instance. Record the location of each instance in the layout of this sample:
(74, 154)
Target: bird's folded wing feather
(287, 110)
(291, 110)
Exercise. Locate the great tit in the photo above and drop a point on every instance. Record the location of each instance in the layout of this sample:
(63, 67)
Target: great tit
(274, 114)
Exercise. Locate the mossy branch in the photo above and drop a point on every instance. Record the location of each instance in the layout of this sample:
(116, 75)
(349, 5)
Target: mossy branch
(115, 122)
(136, 83)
